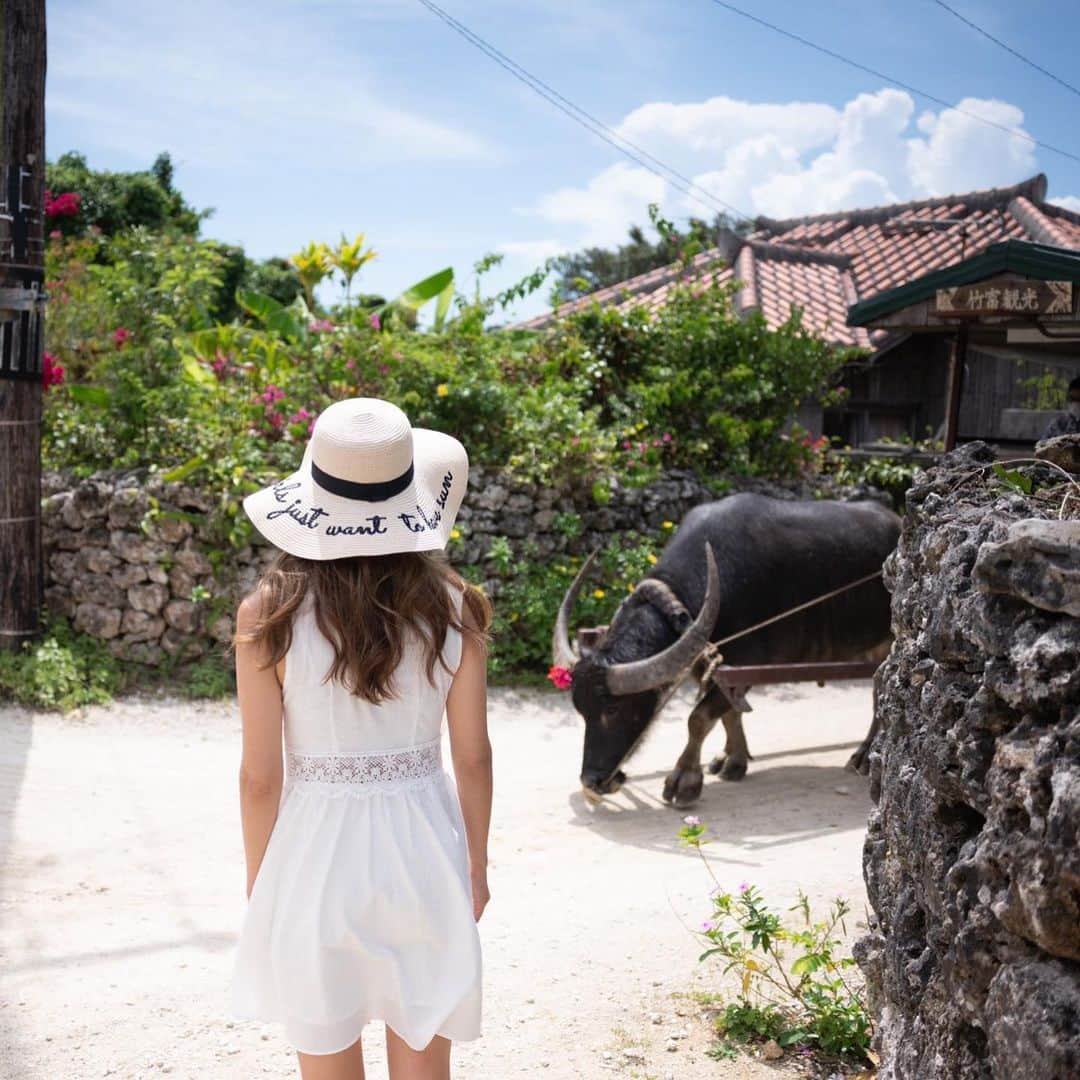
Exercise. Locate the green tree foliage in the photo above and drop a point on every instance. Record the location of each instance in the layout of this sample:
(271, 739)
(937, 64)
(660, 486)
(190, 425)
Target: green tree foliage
(595, 268)
(114, 201)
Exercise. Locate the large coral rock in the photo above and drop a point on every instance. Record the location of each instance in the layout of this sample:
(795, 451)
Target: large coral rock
(971, 860)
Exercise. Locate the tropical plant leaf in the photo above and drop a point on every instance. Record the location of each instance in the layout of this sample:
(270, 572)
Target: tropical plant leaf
(89, 395)
(442, 306)
(197, 373)
(182, 472)
(416, 296)
(273, 315)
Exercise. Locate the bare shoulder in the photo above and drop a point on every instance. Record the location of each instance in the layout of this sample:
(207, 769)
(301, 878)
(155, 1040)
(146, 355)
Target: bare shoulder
(249, 609)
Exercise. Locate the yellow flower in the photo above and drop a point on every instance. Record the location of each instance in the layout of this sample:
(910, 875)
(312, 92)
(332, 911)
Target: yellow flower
(669, 524)
(599, 594)
(629, 586)
(652, 559)
(442, 389)
(455, 534)
(513, 616)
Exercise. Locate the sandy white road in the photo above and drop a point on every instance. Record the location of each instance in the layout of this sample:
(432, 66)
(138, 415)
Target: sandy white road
(121, 888)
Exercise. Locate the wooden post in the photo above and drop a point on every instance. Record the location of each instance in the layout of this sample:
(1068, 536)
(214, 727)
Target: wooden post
(957, 360)
(22, 193)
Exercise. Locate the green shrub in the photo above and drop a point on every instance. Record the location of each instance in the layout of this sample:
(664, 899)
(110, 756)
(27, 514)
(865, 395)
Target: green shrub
(806, 1000)
(211, 678)
(63, 670)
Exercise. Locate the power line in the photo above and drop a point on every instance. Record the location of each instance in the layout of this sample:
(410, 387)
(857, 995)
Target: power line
(896, 82)
(635, 153)
(1008, 48)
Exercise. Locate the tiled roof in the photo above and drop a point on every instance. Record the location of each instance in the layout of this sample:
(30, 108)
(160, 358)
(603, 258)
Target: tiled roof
(828, 262)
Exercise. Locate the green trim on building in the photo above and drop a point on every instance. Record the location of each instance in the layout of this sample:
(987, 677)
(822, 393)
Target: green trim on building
(1006, 257)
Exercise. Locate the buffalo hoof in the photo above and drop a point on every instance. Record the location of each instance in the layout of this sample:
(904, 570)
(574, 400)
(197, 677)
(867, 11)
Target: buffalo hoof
(859, 762)
(683, 786)
(728, 768)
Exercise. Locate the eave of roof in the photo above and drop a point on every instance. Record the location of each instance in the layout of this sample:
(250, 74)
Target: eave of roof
(824, 263)
(1031, 260)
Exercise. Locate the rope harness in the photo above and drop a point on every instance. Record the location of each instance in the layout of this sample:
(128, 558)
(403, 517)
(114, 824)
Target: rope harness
(711, 649)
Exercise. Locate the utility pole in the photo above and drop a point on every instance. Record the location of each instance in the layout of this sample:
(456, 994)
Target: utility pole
(22, 322)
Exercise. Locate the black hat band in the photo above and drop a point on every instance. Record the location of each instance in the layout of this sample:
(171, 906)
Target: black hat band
(351, 489)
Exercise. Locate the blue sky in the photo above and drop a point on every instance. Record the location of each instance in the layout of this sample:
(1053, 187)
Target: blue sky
(297, 121)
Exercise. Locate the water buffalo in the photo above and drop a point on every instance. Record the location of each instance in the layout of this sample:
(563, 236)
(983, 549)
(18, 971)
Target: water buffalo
(734, 562)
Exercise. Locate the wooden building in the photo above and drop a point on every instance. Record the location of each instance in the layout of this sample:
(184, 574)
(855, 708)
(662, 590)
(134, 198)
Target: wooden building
(827, 264)
(976, 328)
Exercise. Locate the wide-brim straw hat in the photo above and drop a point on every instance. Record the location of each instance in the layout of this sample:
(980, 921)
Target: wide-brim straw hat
(369, 484)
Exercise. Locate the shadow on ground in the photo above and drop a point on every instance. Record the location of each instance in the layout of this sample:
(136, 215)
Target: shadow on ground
(771, 809)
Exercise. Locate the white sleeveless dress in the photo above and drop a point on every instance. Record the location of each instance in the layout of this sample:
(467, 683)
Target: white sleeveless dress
(362, 907)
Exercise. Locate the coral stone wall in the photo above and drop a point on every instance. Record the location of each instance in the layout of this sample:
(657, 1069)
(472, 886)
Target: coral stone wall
(133, 561)
(971, 860)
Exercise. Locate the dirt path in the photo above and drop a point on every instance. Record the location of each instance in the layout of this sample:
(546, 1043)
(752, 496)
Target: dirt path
(121, 888)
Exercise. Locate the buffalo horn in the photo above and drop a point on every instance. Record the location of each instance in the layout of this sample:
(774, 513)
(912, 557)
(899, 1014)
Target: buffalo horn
(562, 652)
(636, 676)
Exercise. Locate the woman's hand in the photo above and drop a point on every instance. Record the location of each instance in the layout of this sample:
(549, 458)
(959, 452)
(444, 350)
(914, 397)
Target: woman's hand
(480, 893)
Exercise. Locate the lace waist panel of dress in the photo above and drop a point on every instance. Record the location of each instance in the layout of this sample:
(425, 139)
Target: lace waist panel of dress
(365, 770)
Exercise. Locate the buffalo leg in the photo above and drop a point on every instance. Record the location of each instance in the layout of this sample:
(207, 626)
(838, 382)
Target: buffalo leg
(732, 766)
(860, 761)
(684, 782)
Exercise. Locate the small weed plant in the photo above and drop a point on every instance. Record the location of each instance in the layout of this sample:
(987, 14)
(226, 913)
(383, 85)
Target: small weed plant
(793, 983)
(62, 670)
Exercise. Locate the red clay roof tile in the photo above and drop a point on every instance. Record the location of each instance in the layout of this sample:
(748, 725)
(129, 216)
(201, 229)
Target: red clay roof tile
(825, 263)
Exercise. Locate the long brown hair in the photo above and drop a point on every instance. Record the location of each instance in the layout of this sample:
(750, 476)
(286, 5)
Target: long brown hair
(364, 605)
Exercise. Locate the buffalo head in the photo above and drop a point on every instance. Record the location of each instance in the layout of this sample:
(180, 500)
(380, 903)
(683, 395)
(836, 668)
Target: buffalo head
(619, 697)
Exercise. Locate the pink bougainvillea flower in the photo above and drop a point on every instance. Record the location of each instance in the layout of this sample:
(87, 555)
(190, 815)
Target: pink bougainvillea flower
(376, 322)
(56, 234)
(120, 336)
(666, 436)
(320, 326)
(222, 364)
(626, 444)
(560, 676)
(384, 369)
(52, 373)
(64, 205)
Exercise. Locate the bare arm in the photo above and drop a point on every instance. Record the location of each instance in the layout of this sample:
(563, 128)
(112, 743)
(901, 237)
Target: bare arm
(261, 776)
(470, 749)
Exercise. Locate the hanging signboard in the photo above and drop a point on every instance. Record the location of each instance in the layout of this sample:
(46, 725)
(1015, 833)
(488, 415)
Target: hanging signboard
(1006, 296)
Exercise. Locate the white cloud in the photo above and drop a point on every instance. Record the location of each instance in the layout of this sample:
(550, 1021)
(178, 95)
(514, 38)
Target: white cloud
(712, 127)
(863, 167)
(1069, 202)
(606, 205)
(961, 154)
(743, 167)
(534, 252)
(801, 158)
